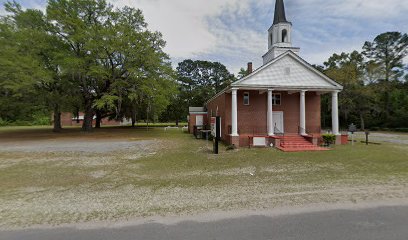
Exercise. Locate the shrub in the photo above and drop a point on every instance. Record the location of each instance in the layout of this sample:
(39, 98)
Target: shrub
(231, 147)
(329, 138)
(21, 123)
(3, 123)
(401, 129)
(41, 121)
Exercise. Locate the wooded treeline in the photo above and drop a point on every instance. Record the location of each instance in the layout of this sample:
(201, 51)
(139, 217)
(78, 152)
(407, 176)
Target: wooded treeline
(82, 55)
(375, 81)
(87, 56)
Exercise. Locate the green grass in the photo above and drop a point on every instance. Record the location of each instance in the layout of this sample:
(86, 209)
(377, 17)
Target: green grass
(178, 174)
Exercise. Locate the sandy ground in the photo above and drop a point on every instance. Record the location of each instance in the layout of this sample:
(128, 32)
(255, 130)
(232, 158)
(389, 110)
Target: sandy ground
(87, 146)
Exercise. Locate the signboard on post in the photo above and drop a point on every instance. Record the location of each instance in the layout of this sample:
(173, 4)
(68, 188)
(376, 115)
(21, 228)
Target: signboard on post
(213, 126)
(352, 129)
(216, 133)
(213, 121)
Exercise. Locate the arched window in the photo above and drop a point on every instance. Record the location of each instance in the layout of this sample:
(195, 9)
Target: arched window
(284, 35)
(271, 38)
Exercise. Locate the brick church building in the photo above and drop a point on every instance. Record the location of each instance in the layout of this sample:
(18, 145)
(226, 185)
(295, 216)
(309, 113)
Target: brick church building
(279, 103)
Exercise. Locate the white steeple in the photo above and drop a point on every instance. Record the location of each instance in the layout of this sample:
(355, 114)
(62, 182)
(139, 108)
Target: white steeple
(279, 35)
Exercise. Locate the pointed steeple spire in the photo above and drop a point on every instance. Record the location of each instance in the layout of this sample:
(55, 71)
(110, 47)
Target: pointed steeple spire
(279, 34)
(280, 15)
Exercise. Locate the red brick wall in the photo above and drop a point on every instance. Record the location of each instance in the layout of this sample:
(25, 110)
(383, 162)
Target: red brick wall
(192, 121)
(107, 122)
(313, 113)
(291, 110)
(252, 118)
(290, 106)
(66, 119)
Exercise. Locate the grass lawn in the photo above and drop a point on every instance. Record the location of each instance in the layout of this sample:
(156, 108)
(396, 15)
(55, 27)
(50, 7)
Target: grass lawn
(149, 173)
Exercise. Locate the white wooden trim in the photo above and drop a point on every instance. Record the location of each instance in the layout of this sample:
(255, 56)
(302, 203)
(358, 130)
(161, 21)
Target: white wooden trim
(335, 113)
(336, 85)
(271, 130)
(234, 113)
(282, 115)
(303, 112)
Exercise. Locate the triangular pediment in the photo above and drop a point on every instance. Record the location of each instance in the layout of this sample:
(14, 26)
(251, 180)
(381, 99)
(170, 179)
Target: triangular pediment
(288, 71)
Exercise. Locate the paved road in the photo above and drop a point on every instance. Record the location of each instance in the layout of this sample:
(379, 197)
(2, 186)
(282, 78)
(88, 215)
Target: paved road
(398, 138)
(389, 223)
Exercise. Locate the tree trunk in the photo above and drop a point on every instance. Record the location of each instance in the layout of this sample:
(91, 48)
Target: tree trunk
(147, 119)
(98, 119)
(57, 119)
(88, 117)
(133, 117)
(77, 115)
(387, 106)
(362, 123)
(177, 122)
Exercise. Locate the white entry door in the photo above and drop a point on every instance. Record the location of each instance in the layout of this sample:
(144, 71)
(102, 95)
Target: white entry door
(278, 122)
(199, 120)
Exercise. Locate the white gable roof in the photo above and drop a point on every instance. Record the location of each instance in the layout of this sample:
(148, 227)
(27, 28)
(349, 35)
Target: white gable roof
(288, 71)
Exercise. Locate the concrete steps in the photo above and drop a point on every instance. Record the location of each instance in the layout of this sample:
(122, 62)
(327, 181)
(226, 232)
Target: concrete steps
(297, 143)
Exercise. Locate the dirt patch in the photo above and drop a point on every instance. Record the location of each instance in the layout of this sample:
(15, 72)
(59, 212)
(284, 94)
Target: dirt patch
(87, 146)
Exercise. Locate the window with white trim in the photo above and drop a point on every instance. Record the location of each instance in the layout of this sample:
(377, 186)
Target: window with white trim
(246, 98)
(276, 99)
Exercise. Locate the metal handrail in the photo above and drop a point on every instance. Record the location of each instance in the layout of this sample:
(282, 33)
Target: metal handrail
(300, 130)
(279, 133)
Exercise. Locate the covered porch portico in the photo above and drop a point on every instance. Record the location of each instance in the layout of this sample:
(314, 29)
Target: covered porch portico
(278, 112)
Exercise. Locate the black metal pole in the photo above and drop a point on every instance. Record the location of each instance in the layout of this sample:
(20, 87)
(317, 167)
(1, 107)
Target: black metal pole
(217, 134)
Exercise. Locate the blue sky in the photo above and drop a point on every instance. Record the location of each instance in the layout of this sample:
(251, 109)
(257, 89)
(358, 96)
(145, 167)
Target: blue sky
(234, 32)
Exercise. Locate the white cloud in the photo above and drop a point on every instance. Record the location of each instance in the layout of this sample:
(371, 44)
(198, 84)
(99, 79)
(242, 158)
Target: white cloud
(234, 31)
(220, 30)
(183, 23)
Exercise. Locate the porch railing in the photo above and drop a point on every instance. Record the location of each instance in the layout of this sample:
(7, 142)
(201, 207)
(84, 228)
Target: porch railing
(279, 133)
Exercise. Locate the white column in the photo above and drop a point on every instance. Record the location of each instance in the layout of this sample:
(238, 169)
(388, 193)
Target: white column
(335, 113)
(303, 112)
(234, 113)
(271, 128)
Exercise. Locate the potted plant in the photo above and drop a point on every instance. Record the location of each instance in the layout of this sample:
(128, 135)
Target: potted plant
(328, 139)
